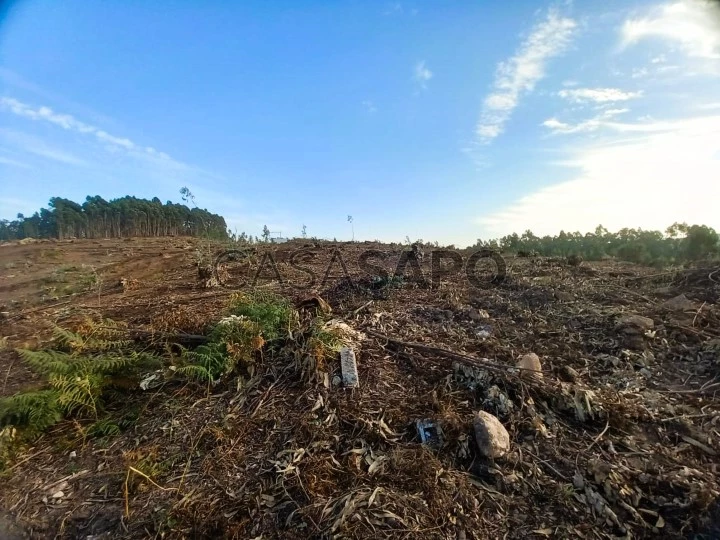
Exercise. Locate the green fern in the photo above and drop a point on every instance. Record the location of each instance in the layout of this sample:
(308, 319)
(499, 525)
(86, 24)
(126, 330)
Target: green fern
(98, 339)
(46, 362)
(67, 338)
(37, 410)
(195, 373)
(103, 428)
(78, 394)
(77, 380)
(272, 312)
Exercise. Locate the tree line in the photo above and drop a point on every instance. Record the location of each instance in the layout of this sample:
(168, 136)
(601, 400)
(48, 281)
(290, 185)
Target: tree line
(679, 243)
(126, 216)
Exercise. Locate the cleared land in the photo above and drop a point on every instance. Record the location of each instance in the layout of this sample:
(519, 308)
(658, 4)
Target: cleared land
(619, 438)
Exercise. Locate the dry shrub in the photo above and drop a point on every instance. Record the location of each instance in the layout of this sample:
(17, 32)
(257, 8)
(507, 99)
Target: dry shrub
(182, 319)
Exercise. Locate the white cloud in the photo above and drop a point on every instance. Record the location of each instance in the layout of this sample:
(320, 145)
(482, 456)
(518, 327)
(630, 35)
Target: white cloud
(602, 120)
(556, 126)
(65, 121)
(395, 8)
(693, 24)
(14, 163)
(520, 73)
(597, 95)
(369, 106)
(70, 123)
(38, 147)
(668, 173)
(422, 74)
(117, 141)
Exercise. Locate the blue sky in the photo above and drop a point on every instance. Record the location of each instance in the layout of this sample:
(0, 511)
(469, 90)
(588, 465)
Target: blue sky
(438, 120)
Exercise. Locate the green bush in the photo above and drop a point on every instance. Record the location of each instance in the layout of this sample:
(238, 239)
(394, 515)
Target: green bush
(256, 318)
(272, 312)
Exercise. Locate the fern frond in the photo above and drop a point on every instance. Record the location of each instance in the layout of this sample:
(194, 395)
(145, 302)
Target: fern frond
(103, 428)
(101, 345)
(46, 362)
(35, 410)
(107, 365)
(79, 377)
(195, 372)
(68, 339)
(78, 394)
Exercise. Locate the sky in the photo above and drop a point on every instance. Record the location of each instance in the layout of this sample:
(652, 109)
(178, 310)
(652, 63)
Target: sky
(442, 120)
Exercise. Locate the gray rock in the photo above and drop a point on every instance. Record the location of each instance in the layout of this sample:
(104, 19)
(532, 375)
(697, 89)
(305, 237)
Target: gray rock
(679, 303)
(663, 291)
(491, 436)
(631, 323)
(578, 481)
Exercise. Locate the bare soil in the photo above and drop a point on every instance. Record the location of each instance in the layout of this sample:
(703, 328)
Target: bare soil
(618, 439)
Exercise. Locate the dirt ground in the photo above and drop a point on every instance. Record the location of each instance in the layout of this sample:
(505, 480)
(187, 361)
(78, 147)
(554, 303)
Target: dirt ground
(618, 438)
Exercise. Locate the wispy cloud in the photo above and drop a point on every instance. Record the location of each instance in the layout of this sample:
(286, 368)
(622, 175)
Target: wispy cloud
(592, 124)
(422, 74)
(395, 8)
(14, 80)
(709, 106)
(70, 123)
(520, 73)
(597, 95)
(38, 147)
(648, 180)
(112, 142)
(369, 106)
(692, 24)
(13, 163)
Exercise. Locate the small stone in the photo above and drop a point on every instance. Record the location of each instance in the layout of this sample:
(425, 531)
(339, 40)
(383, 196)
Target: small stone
(336, 380)
(563, 296)
(679, 303)
(73, 454)
(569, 374)
(491, 436)
(315, 303)
(530, 361)
(478, 314)
(663, 291)
(58, 495)
(578, 481)
(631, 322)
